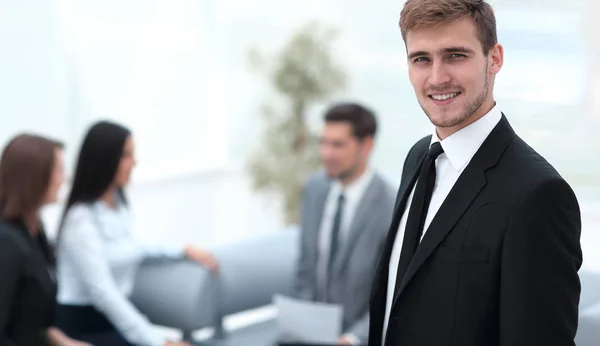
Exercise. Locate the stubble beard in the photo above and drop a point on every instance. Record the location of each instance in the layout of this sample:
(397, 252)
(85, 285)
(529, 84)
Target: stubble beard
(470, 109)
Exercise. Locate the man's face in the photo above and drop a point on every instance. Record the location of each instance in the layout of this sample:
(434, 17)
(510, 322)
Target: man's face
(341, 152)
(451, 76)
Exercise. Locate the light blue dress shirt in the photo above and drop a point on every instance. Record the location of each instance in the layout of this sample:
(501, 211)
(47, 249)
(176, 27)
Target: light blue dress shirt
(97, 261)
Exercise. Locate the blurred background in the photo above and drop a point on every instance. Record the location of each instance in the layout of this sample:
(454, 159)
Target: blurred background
(218, 92)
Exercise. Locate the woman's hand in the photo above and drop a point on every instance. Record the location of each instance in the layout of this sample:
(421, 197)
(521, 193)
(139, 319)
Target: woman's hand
(177, 343)
(58, 338)
(72, 342)
(203, 257)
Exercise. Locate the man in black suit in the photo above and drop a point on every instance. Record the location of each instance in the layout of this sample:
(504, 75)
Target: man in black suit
(484, 247)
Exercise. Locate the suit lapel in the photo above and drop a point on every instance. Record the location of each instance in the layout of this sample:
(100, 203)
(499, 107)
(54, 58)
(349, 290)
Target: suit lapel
(464, 192)
(357, 225)
(381, 273)
(42, 269)
(402, 199)
(319, 208)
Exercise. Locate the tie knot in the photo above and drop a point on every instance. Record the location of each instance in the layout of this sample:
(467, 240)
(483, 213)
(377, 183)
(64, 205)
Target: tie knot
(341, 198)
(435, 150)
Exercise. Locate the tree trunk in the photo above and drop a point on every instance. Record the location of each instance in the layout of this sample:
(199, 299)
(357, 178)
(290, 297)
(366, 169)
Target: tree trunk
(299, 108)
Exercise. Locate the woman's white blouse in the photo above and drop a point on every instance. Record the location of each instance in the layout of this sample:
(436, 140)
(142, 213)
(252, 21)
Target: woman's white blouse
(97, 261)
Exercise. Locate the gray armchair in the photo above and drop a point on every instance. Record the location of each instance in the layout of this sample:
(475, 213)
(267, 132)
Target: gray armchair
(177, 294)
(252, 271)
(588, 333)
(185, 296)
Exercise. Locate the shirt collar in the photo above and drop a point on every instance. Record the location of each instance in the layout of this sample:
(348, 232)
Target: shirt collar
(356, 188)
(461, 146)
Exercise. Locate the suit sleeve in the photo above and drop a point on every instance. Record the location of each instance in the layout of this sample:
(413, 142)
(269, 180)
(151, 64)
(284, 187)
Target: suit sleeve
(540, 288)
(10, 260)
(303, 285)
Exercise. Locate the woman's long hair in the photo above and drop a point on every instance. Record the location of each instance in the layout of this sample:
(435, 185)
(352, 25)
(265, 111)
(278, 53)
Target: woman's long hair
(97, 165)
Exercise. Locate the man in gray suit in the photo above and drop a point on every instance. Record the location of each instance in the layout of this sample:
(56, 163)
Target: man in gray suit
(346, 212)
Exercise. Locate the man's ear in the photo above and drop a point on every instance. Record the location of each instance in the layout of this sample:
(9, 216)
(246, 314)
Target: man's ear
(367, 144)
(496, 58)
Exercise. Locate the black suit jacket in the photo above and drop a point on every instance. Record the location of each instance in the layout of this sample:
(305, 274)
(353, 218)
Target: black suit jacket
(499, 263)
(27, 290)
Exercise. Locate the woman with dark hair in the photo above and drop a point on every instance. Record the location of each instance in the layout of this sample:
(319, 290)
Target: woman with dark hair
(31, 173)
(97, 255)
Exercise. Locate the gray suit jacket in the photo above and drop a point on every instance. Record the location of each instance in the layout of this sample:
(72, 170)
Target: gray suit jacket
(357, 259)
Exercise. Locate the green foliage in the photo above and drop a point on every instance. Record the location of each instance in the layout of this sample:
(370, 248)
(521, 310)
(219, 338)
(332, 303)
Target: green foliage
(302, 74)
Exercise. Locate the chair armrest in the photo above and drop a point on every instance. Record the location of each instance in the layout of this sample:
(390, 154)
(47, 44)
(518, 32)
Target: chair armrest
(253, 270)
(176, 293)
(588, 331)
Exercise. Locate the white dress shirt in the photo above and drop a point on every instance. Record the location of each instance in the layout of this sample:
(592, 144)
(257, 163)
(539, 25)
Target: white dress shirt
(97, 261)
(353, 194)
(459, 149)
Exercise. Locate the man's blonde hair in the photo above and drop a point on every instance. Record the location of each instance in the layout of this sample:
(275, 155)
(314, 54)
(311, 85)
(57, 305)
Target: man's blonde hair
(419, 14)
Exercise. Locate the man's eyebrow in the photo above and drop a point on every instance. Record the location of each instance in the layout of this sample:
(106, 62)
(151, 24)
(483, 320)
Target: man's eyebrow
(457, 49)
(416, 54)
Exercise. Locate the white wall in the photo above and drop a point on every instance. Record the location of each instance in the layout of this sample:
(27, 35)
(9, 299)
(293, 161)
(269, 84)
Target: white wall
(150, 65)
(214, 207)
(34, 90)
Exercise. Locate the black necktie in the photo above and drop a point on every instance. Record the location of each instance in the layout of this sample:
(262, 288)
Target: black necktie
(418, 210)
(335, 232)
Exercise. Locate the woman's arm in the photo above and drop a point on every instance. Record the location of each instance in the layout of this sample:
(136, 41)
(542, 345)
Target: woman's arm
(190, 252)
(81, 246)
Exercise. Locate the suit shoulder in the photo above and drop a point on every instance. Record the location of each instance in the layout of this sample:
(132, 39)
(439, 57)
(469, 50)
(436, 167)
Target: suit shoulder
(531, 167)
(315, 180)
(11, 242)
(529, 173)
(549, 187)
(385, 188)
(8, 231)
